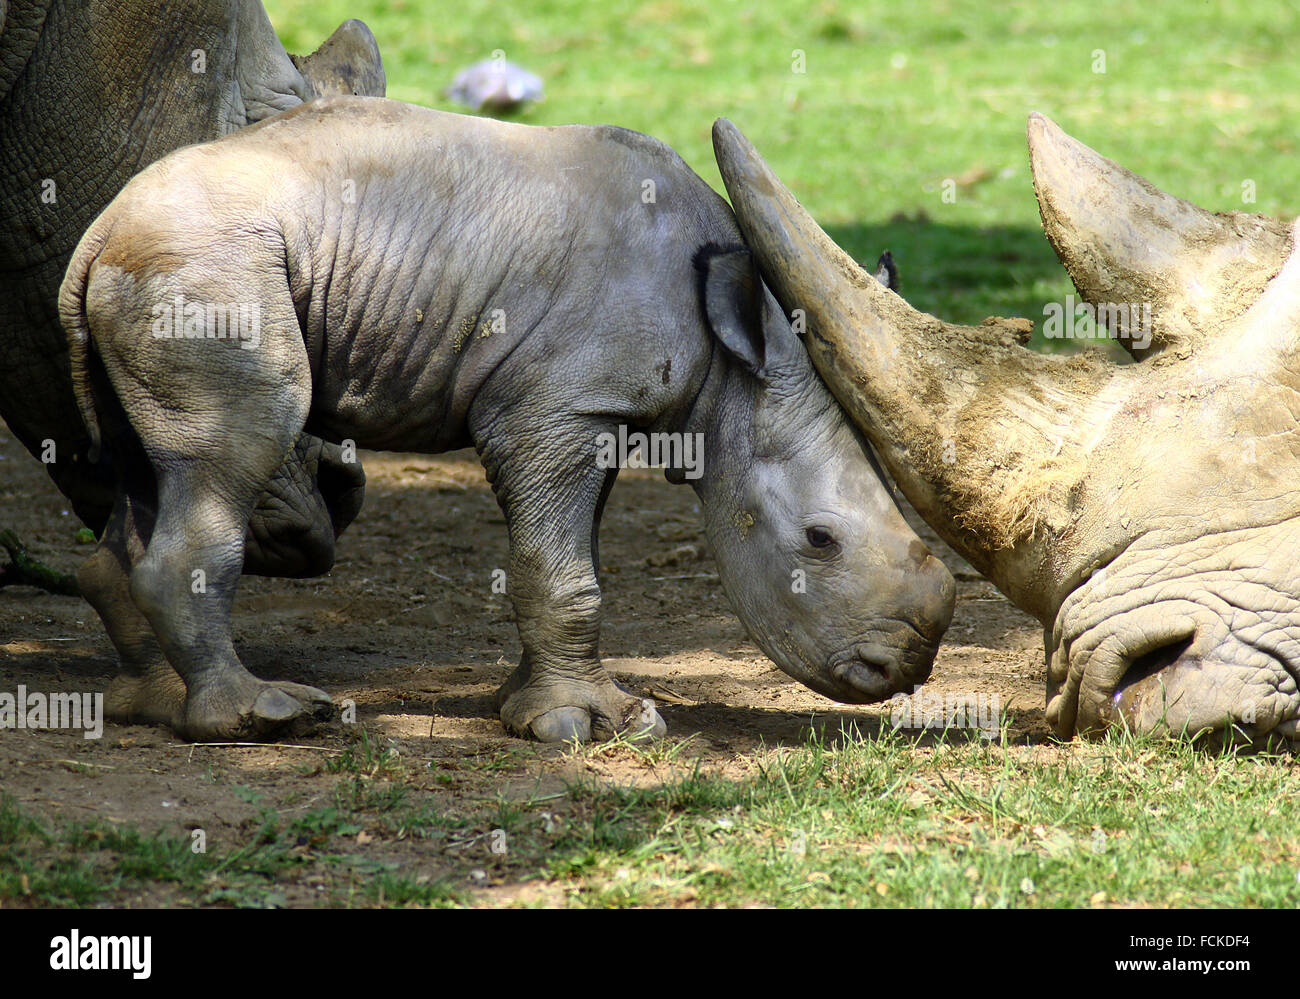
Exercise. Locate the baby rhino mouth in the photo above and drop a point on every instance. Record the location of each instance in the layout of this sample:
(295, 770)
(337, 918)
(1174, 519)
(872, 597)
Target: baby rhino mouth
(875, 670)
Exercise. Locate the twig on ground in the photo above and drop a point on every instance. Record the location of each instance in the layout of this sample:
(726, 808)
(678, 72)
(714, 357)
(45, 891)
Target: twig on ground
(23, 570)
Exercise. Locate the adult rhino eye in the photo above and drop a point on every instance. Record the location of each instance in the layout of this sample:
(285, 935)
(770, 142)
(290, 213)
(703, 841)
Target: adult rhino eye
(819, 537)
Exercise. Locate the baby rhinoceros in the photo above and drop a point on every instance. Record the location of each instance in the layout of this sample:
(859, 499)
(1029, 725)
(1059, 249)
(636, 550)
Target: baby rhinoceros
(421, 281)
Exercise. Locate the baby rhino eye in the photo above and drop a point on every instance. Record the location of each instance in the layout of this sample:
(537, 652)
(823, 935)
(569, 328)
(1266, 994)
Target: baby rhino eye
(819, 537)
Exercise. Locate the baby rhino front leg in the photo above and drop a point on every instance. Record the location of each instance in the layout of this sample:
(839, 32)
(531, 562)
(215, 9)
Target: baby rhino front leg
(552, 499)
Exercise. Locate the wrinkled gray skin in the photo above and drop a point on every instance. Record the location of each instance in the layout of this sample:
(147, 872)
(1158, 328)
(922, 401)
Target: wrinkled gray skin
(90, 92)
(1148, 514)
(428, 281)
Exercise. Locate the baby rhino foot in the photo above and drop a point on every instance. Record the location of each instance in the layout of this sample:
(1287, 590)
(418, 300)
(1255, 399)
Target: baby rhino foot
(576, 710)
(237, 705)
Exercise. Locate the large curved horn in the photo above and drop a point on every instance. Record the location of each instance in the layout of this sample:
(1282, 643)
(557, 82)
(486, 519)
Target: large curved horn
(984, 437)
(1124, 241)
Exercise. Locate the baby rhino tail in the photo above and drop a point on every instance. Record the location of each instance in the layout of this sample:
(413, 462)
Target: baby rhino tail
(72, 312)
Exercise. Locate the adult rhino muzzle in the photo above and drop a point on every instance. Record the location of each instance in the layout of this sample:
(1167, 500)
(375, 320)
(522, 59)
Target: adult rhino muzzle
(1147, 514)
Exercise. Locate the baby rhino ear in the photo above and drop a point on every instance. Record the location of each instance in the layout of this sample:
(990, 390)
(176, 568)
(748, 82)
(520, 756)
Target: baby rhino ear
(733, 304)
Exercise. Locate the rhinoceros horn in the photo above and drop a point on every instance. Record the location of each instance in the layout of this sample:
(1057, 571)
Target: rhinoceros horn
(1123, 240)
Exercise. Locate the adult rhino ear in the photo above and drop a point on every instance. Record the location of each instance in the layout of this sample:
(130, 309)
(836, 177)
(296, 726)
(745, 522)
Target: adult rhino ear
(733, 304)
(347, 62)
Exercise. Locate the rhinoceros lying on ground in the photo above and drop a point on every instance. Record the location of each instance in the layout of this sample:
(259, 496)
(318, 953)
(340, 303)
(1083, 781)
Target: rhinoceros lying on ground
(91, 91)
(425, 281)
(1147, 514)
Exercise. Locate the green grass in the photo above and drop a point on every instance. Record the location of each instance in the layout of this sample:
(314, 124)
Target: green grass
(860, 821)
(364, 756)
(83, 864)
(896, 98)
(877, 822)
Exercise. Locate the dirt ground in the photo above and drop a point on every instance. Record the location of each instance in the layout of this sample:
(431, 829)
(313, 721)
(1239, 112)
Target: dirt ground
(408, 627)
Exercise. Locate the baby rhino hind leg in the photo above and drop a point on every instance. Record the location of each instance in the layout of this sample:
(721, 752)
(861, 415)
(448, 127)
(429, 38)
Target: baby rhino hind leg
(215, 417)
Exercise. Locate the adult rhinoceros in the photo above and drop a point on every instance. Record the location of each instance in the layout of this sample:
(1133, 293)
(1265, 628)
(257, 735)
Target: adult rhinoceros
(91, 91)
(414, 280)
(1147, 514)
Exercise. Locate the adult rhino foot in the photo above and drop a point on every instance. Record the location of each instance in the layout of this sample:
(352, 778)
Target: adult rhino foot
(576, 710)
(232, 706)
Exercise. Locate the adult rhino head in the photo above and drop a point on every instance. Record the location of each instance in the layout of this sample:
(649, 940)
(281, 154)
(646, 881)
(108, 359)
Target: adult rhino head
(1147, 514)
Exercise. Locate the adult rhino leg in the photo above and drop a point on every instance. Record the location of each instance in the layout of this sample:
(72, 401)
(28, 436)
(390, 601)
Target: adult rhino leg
(551, 491)
(146, 687)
